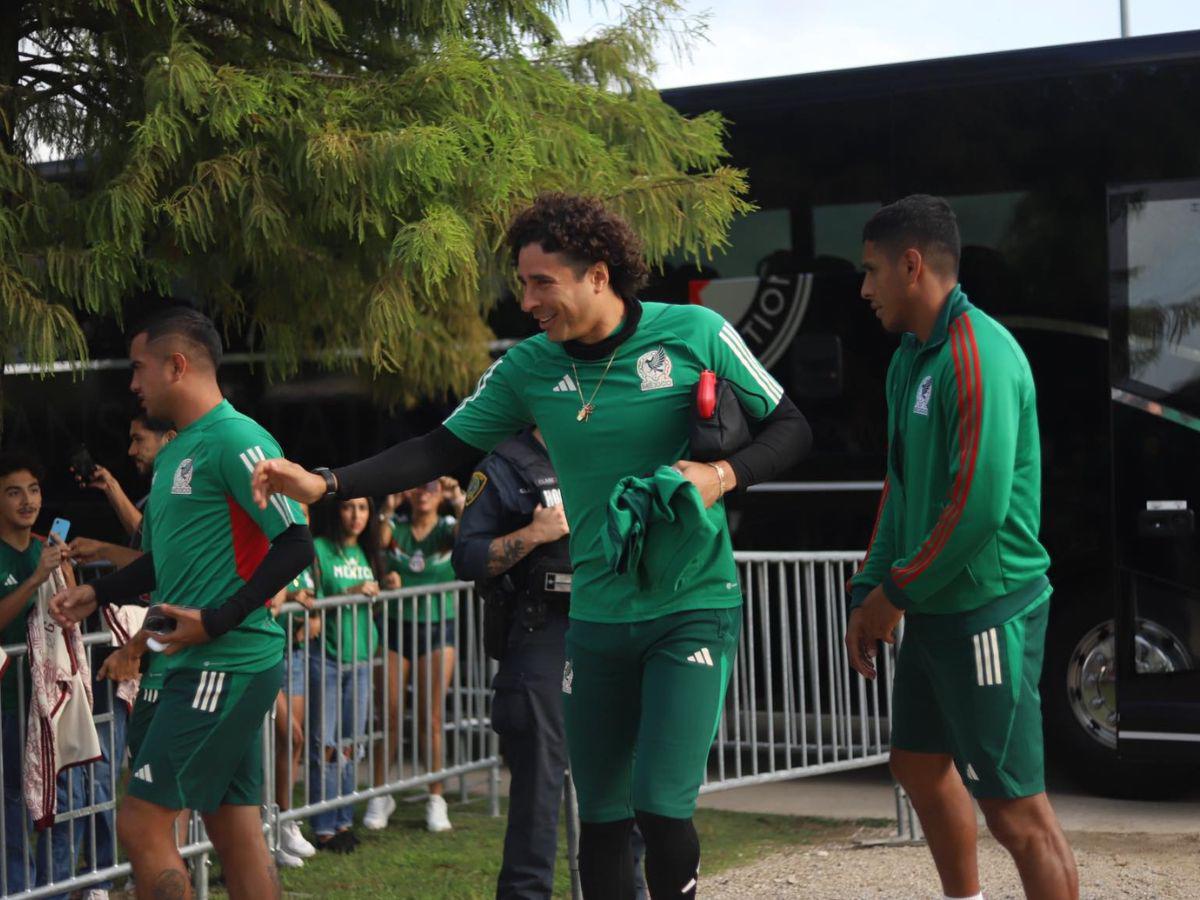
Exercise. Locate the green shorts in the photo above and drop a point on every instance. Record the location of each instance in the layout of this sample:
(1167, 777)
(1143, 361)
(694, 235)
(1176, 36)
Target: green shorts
(975, 697)
(642, 702)
(203, 746)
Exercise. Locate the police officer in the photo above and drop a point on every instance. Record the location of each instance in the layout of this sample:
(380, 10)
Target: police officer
(512, 540)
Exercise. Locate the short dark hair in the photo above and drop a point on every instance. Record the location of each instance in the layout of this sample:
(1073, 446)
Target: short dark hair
(19, 461)
(585, 232)
(158, 426)
(921, 221)
(190, 324)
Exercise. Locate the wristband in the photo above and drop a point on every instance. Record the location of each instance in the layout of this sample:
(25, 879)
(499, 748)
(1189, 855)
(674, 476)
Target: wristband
(720, 479)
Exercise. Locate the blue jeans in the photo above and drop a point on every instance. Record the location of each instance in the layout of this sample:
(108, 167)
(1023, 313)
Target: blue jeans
(337, 703)
(105, 775)
(56, 849)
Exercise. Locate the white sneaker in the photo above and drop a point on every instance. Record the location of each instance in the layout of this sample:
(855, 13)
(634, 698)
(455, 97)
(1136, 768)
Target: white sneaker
(285, 860)
(378, 810)
(293, 842)
(435, 814)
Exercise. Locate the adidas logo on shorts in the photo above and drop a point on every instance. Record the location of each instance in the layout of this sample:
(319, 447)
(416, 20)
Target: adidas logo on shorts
(971, 774)
(987, 658)
(143, 774)
(702, 657)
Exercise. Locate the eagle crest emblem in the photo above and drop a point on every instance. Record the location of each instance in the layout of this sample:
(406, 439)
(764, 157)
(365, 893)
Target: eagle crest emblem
(654, 368)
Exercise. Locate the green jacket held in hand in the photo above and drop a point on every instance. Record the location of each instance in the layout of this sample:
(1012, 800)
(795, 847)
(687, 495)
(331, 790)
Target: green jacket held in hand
(656, 529)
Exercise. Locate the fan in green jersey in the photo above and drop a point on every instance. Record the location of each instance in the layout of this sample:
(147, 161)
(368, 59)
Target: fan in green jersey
(213, 559)
(609, 382)
(420, 636)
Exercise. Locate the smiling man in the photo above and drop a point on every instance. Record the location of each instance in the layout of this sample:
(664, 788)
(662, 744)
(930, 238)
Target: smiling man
(955, 552)
(609, 382)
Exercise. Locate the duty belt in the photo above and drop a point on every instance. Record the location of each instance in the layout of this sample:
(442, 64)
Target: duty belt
(557, 583)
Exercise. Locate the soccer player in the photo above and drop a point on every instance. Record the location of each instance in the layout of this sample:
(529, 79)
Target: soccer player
(216, 558)
(955, 552)
(609, 381)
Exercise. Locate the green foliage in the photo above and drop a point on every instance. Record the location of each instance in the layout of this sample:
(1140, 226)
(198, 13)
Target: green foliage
(331, 177)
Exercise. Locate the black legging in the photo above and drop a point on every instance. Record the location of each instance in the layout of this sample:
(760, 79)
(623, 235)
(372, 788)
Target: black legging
(672, 858)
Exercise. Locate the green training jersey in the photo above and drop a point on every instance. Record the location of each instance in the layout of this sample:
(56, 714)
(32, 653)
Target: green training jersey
(424, 561)
(641, 416)
(15, 567)
(341, 569)
(207, 535)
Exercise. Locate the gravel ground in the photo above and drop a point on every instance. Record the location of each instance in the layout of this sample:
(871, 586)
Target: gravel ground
(1111, 866)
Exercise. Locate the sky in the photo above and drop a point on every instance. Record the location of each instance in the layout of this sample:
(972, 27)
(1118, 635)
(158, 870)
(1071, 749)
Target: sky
(760, 38)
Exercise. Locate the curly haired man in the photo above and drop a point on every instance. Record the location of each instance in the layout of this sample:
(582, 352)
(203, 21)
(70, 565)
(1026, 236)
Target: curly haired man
(609, 382)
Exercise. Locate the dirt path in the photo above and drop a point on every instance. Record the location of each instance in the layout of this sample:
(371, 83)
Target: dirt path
(1111, 866)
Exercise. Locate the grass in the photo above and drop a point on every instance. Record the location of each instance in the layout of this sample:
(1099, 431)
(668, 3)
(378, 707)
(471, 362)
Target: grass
(407, 861)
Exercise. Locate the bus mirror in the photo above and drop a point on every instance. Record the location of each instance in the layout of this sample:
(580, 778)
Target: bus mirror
(816, 367)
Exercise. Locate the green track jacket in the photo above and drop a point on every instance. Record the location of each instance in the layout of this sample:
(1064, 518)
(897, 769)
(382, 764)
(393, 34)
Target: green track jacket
(957, 528)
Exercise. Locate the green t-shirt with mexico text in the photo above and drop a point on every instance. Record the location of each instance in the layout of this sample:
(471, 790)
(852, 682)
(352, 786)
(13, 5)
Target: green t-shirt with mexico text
(642, 412)
(207, 535)
(340, 569)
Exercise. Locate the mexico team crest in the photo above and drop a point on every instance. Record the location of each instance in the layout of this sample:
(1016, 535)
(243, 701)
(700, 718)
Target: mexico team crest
(766, 311)
(654, 368)
(924, 393)
(182, 483)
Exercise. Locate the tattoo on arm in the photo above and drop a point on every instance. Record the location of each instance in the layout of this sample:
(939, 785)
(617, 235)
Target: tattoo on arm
(171, 884)
(504, 553)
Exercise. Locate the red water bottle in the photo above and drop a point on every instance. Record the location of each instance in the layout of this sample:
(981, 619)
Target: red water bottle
(706, 394)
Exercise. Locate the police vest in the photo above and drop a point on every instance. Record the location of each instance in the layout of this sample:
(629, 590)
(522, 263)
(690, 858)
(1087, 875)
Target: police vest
(547, 570)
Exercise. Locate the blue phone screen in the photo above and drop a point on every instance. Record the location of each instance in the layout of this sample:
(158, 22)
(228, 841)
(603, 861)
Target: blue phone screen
(60, 528)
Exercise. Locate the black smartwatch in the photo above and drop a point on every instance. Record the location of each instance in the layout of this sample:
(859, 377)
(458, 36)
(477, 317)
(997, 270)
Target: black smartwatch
(331, 484)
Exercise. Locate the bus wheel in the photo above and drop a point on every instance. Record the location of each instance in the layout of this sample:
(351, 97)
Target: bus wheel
(1079, 693)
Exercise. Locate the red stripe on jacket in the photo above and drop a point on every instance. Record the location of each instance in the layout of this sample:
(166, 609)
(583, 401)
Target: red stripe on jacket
(969, 379)
(887, 486)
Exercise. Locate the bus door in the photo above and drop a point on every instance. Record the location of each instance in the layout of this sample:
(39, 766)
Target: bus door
(1154, 254)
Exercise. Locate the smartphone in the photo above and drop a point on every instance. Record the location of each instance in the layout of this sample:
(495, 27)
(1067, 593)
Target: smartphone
(83, 464)
(59, 530)
(158, 622)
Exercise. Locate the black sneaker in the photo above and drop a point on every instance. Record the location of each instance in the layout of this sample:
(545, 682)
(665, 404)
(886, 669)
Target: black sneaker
(343, 842)
(335, 843)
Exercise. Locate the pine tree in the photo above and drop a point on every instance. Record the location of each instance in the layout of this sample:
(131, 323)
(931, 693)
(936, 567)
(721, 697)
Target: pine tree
(332, 177)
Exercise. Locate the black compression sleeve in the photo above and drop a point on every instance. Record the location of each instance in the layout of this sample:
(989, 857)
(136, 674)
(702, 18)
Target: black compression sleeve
(289, 554)
(406, 465)
(128, 583)
(784, 440)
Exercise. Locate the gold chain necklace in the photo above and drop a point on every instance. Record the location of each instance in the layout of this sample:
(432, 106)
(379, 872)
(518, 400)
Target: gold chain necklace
(589, 407)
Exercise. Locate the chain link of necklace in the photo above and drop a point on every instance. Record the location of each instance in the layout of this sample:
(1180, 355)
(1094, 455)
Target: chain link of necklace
(588, 406)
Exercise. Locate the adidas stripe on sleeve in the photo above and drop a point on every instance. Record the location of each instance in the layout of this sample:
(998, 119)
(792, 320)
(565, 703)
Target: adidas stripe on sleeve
(758, 392)
(495, 409)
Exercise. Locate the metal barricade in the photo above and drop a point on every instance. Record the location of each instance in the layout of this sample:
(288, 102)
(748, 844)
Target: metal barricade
(794, 707)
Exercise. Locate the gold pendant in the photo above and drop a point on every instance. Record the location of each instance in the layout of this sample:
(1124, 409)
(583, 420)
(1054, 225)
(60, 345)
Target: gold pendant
(585, 412)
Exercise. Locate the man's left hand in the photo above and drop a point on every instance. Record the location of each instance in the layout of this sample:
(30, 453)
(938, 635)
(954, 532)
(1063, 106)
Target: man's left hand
(189, 629)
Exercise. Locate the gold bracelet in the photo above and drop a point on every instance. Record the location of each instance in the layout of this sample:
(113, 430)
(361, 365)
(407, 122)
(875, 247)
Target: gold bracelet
(720, 479)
